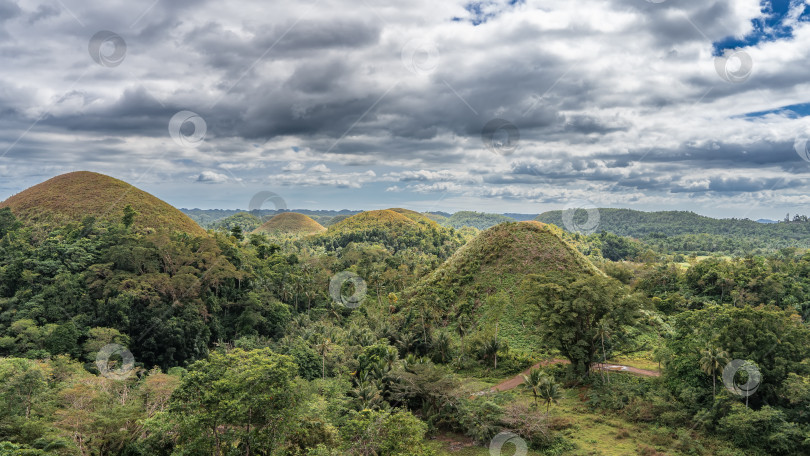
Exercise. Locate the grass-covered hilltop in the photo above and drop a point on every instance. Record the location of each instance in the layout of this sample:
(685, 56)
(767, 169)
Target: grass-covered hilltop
(290, 223)
(74, 196)
(480, 284)
(127, 328)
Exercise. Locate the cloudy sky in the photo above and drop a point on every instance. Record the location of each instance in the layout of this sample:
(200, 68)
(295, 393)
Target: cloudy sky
(498, 106)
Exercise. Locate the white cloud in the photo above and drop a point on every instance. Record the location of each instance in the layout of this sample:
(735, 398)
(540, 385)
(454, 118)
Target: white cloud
(212, 177)
(619, 96)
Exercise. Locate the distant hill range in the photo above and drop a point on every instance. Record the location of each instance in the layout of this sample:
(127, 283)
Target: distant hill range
(688, 225)
(218, 218)
(213, 218)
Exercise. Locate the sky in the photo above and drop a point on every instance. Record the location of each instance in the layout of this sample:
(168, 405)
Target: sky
(495, 106)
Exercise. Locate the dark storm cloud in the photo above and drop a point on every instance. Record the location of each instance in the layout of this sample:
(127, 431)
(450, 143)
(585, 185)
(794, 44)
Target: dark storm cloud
(292, 39)
(736, 185)
(589, 125)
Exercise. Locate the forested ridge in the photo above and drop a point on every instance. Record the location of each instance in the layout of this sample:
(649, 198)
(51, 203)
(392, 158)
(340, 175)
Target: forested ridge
(382, 335)
(686, 232)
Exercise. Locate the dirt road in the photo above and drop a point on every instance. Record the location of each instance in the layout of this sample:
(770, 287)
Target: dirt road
(513, 382)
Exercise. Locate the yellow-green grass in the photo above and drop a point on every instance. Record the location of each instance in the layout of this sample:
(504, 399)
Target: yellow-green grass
(371, 219)
(638, 362)
(413, 215)
(291, 223)
(72, 197)
(438, 218)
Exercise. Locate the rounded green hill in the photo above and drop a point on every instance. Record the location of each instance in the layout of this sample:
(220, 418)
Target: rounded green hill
(73, 196)
(290, 223)
(396, 229)
(482, 279)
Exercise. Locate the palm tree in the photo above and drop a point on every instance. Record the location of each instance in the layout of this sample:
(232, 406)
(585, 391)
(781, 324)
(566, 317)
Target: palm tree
(533, 382)
(442, 345)
(323, 348)
(712, 360)
(550, 391)
(603, 331)
(491, 348)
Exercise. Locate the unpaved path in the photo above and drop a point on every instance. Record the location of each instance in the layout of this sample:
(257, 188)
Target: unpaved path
(513, 382)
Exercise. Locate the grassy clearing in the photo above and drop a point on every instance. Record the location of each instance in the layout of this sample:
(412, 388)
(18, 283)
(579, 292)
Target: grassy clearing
(595, 433)
(639, 363)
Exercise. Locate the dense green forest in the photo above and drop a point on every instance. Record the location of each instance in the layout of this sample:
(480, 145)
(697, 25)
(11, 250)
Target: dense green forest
(391, 334)
(687, 232)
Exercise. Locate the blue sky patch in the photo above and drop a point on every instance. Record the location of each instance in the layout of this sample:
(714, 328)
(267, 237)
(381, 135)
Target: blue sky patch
(484, 11)
(771, 26)
(794, 111)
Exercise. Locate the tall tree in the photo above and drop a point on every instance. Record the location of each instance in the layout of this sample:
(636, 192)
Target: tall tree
(572, 308)
(242, 400)
(323, 347)
(712, 360)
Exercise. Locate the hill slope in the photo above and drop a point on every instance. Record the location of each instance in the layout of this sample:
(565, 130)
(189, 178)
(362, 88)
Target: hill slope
(396, 231)
(492, 266)
(290, 223)
(413, 215)
(73, 196)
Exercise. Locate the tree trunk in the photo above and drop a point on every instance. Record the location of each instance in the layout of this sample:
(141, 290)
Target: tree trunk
(604, 359)
(247, 437)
